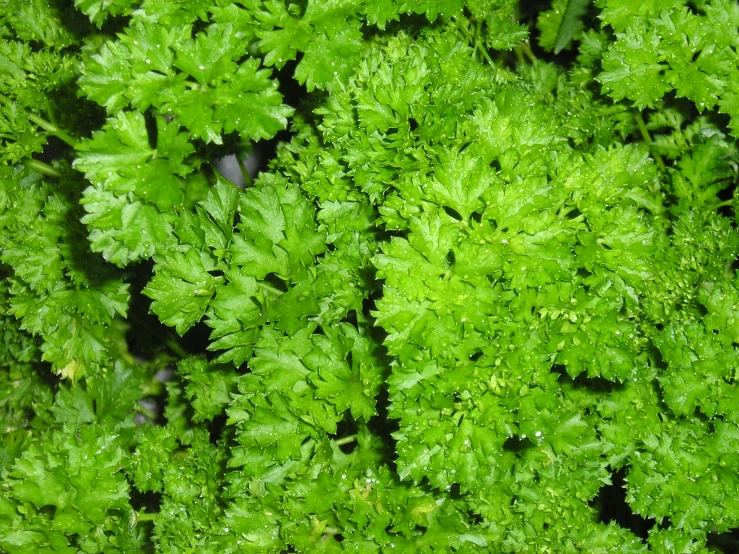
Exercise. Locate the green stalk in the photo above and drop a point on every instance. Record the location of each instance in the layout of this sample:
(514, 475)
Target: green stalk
(648, 140)
(146, 412)
(474, 41)
(527, 51)
(345, 440)
(50, 113)
(175, 348)
(54, 130)
(41, 167)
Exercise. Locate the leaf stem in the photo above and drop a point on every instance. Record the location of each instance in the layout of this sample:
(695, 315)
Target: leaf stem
(345, 440)
(648, 140)
(475, 41)
(146, 412)
(41, 167)
(271, 289)
(525, 48)
(50, 113)
(144, 516)
(53, 130)
(175, 347)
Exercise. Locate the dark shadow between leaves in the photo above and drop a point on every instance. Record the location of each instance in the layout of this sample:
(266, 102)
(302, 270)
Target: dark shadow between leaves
(612, 507)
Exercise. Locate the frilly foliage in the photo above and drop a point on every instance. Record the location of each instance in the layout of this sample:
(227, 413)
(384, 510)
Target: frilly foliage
(480, 280)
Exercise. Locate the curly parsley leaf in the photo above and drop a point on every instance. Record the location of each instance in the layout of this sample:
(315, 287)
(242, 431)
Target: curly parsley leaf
(200, 82)
(664, 46)
(58, 288)
(135, 185)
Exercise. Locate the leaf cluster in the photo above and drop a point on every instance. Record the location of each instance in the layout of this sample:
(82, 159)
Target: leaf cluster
(480, 280)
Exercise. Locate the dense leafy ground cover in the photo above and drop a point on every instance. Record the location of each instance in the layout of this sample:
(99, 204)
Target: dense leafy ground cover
(481, 299)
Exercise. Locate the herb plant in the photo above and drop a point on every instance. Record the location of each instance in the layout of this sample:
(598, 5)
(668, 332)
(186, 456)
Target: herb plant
(483, 288)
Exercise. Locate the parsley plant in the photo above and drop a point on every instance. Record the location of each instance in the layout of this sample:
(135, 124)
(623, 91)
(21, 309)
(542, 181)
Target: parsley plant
(481, 298)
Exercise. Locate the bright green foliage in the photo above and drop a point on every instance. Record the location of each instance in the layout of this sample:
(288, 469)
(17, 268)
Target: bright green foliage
(208, 388)
(507, 274)
(98, 10)
(329, 33)
(64, 489)
(311, 380)
(303, 489)
(59, 289)
(496, 24)
(476, 302)
(38, 67)
(182, 275)
(560, 25)
(29, 404)
(659, 47)
(134, 186)
(43, 22)
(665, 46)
(79, 478)
(196, 81)
(28, 77)
(190, 489)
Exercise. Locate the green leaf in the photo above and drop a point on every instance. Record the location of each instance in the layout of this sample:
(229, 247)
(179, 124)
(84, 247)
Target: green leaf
(201, 82)
(571, 22)
(562, 24)
(235, 315)
(58, 288)
(42, 22)
(134, 185)
(208, 387)
(325, 60)
(99, 10)
(124, 231)
(181, 288)
(77, 475)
